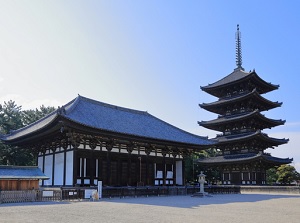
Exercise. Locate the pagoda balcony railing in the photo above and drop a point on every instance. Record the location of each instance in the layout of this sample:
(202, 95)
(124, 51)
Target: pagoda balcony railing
(234, 132)
(236, 113)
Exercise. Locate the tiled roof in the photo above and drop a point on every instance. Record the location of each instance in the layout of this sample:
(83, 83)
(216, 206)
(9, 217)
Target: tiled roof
(127, 121)
(21, 172)
(240, 117)
(236, 75)
(245, 136)
(102, 116)
(231, 100)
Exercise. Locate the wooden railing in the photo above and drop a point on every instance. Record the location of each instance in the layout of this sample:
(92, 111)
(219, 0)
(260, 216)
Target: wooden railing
(79, 193)
(18, 196)
(164, 191)
(30, 196)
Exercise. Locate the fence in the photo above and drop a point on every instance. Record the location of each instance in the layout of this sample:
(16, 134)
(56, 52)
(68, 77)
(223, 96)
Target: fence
(79, 193)
(72, 194)
(109, 192)
(30, 196)
(271, 189)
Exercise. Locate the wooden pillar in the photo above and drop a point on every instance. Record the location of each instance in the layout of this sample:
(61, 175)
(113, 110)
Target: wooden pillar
(183, 171)
(43, 153)
(109, 147)
(100, 175)
(65, 167)
(75, 164)
(129, 150)
(147, 178)
(164, 169)
(82, 168)
(147, 171)
(129, 169)
(119, 170)
(92, 167)
(174, 170)
(137, 171)
(230, 175)
(108, 168)
(53, 166)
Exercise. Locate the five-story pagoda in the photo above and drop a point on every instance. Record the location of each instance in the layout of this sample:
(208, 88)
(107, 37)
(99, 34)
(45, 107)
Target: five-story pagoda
(242, 159)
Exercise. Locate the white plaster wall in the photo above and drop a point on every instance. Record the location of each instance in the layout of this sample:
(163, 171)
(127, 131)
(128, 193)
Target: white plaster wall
(59, 169)
(40, 165)
(179, 176)
(69, 168)
(48, 169)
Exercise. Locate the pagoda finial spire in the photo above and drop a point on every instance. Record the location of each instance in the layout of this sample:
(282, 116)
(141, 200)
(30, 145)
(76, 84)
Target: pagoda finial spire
(238, 53)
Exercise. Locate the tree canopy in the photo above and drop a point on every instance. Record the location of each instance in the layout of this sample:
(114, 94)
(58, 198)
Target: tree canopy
(12, 117)
(287, 174)
(284, 174)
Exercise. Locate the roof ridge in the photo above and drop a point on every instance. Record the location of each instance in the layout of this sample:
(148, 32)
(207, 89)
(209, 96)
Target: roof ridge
(234, 71)
(137, 112)
(110, 105)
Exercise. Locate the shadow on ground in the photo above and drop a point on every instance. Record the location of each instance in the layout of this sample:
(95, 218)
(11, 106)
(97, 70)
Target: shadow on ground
(190, 202)
(171, 201)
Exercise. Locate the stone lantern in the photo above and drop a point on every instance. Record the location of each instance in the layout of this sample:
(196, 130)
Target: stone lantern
(201, 180)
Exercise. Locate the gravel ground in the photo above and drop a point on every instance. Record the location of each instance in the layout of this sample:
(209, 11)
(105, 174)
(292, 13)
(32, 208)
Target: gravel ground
(233, 208)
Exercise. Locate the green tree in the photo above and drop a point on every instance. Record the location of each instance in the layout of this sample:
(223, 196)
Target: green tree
(287, 174)
(30, 116)
(12, 118)
(193, 169)
(272, 176)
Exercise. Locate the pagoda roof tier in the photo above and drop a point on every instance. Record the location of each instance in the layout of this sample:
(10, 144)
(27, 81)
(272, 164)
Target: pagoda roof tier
(251, 137)
(244, 158)
(238, 76)
(264, 122)
(261, 103)
(95, 117)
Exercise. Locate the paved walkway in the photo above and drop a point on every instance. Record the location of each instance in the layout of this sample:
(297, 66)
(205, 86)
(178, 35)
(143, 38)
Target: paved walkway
(233, 208)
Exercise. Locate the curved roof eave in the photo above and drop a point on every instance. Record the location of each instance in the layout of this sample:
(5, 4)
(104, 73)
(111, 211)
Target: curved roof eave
(253, 93)
(209, 142)
(31, 129)
(244, 158)
(233, 77)
(110, 118)
(237, 76)
(258, 133)
(256, 113)
(205, 140)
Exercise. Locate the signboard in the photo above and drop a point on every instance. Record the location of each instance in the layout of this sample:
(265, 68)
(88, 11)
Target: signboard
(47, 193)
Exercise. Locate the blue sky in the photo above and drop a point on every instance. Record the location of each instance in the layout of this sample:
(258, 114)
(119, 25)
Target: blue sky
(150, 55)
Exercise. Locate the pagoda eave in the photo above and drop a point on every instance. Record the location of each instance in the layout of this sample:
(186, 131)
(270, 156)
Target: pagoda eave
(217, 124)
(257, 137)
(243, 158)
(237, 77)
(217, 106)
